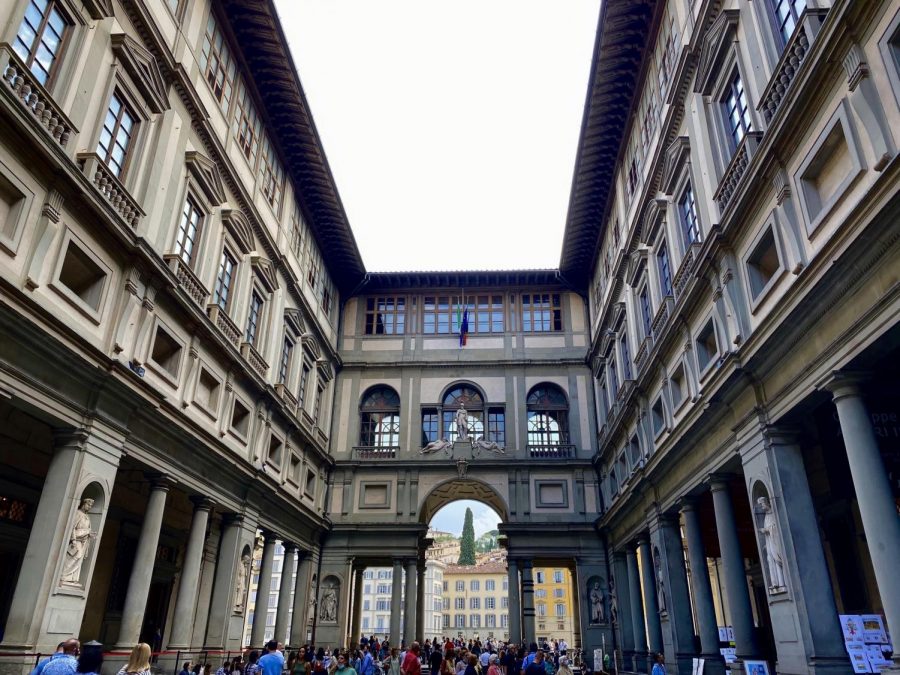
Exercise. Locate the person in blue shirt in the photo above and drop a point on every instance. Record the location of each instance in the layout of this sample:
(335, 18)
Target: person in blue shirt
(273, 661)
(367, 663)
(66, 663)
(43, 662)
(659, 668)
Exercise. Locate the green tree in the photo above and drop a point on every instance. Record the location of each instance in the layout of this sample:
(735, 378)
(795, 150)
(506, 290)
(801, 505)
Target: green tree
(467, 543)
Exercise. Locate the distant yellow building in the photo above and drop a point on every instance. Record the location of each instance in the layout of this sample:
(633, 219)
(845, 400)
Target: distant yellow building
(554, 606)
(476, 599)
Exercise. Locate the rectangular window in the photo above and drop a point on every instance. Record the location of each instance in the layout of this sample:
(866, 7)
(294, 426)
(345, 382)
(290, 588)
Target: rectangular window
(386, 316)
(687, 215)
(665, 274)
(247, 126)
(284, 365)
(296, 230)
(272, 174)
(460, 586)
(737, 111)
(459, 620)
(613, 380)
(436, 313)
(256, 305)
(558, 593)
(490, 621)
(707, 346)
(40, 37)
(646, 311)
(188, 231)
(557, 576)
(217, 64)
(539, 577)
(787, 15)
(490, 603)
(497, 434)
(560, 609)
(446, 621)
(317, 408)
(224, 279)
(474, 621)
(626, 355)
(429, 428)
(474, 603)
(541, 312)
(504, 602)
(486, 315)
(504, 620)
(475, 585)
(304, 380)
(489, 585)
(115, 137)
(382, 605)
(541, 609)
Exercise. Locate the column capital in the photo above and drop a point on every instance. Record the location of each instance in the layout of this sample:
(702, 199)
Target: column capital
(160, 481)
(232, 518)
(641, 540)
(269, 536)
(63, 436)
(687, 504)
(289, 546)
(202, 503)
(843, 383)
(718, 481)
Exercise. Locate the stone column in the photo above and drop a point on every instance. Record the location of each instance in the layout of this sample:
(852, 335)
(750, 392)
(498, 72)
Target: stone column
(623, 607)
(733, 570)
(35, 601)
(142, 572)
(700, 585)
(356, 609)
(228, 566)
(528, 634)
(282, 617)
(263, 589)
(674, 600)
(301, 601)
(189, 584)
(420, 601)
(648, 581)
(515, 606)
(409, 617)
(637, 612)
(877, 508)
(396, 601)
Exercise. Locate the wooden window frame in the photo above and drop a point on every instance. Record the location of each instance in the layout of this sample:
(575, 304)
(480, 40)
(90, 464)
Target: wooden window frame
(181, 232)
(105, 154)
(218, 50)
(31, 58)
(218, 299)
(552, 305)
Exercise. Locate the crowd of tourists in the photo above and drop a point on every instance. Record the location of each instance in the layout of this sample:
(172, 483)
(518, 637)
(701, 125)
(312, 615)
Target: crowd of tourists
(72, 657)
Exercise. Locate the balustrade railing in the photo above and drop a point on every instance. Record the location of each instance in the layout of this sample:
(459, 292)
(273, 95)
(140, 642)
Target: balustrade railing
(365, 452)
(662, 315)
(736, 169)
(32, 95)
(187, 279)
(224, 323)
(109, 186)
(562, 451)
(253, 357)
(685, 269)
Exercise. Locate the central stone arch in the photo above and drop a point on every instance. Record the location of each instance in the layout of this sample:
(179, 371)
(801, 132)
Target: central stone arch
(455, 489)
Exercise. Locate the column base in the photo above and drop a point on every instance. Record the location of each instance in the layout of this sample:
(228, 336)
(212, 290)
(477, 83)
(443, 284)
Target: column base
(713, 664)
(640, 662)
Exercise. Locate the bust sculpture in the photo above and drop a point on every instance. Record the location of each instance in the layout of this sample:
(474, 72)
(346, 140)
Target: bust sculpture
(774, 554)
(77, 546)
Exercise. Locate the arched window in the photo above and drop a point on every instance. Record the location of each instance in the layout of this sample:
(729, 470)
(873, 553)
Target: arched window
(379, 415)
(548, 417)
(464, 396)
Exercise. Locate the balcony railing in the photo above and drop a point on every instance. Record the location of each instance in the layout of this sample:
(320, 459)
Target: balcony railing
(684, 270)
(253, 357)
(736, 169)
(187, 279)
(110, 187)
(285, 395)
(561, 451)
(19, 80)
(365, 452)
(791, 59)
(662, 315)
(224, 323)
(643, 352)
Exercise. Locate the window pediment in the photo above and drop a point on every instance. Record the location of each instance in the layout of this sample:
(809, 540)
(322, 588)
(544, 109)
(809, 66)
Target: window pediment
(239, 227)
(206, 174)
(716, 43)
(637, 263)
(326, 372)
(654, 215)
(678, 154)
(99, 9)
(266, 271)
(309, 342)
(144, 71)
(294, 319)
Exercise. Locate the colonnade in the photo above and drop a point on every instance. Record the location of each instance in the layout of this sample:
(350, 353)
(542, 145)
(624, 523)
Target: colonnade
(659, 594)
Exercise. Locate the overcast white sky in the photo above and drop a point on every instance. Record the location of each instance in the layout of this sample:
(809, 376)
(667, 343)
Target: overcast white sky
(451, 517)
(450, 125)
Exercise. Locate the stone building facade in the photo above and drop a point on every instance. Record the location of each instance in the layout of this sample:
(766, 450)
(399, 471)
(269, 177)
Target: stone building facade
(737, 174)
(169, 235)
(695, 415)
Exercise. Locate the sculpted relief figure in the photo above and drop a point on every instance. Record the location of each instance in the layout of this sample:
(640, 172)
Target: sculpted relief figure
(598, 611)
(77, 546)
(613, 601)
(243, 577)
(328, 609)
(435, 446)
(774, 554)
(492, 446)
(462, 424)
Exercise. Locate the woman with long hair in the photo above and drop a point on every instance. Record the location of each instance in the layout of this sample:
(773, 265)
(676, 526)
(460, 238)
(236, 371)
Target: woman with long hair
(138, 662)
(252, 665)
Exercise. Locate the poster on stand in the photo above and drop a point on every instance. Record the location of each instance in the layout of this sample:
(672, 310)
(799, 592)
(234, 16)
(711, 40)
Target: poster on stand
(873, 628)
(859, 659)
(756, 668)
(598, 660)
(852, 627)
(729, 654)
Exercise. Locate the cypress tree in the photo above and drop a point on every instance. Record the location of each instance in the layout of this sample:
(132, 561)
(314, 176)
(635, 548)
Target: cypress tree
(467, 543)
